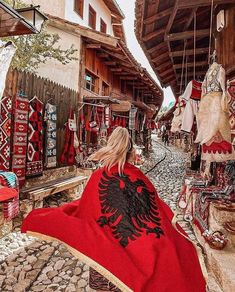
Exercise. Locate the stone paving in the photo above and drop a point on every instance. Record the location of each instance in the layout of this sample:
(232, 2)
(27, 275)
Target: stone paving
(27, 264)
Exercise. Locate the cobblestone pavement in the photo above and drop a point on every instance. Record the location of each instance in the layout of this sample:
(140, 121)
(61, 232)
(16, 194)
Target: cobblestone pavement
(27, 264)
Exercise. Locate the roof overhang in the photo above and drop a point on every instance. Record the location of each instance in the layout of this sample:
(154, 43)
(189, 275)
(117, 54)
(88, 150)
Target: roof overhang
(165, 31)
(77, 29)
(12, 23)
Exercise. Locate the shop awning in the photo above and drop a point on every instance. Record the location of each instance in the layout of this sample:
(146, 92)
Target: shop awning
(12, 23)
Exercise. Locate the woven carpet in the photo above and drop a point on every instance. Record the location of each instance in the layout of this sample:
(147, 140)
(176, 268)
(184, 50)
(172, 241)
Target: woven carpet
(35, 138)
(50, 137)
(5, 132)
(21, 109)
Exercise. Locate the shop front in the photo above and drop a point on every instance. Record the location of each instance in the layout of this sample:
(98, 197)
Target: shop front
(188, 44)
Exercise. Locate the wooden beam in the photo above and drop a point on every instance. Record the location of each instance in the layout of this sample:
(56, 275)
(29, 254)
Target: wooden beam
(191, 16)
(166, 72)
(110, 63)
(197, 64)
(172, 17)
(158, 15)
(121, 73)
(157, 47)
(163, 65)
(162, 56)
(93, 46)
(184, 4)
(153, 34)
(128, 78)
(116, 69)
(102, 55)
(187, 35)
(198, 51)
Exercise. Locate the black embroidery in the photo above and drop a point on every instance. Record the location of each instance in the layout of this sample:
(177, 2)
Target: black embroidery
(131, 208)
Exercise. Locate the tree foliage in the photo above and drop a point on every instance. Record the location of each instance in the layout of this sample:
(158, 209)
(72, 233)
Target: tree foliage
(35, 49)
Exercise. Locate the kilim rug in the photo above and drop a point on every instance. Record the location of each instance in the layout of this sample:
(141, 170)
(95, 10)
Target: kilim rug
(201, 212)
(50, 136)
(10, 207)
(231, 92)
(21, 109)
(35, 138)
(5, 132)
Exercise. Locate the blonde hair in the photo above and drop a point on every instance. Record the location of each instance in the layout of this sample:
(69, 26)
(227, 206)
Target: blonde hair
(116, 151)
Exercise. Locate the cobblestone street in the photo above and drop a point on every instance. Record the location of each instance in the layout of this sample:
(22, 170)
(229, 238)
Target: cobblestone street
(32, 265)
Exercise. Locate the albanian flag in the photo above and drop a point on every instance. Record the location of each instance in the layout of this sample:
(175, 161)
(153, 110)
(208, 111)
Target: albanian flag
(123, 230)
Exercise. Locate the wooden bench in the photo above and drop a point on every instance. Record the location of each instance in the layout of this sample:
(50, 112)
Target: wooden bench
(32, 197)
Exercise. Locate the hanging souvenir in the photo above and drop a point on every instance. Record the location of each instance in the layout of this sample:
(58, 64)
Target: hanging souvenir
(132, 116)
(214, 132)
(5, 132)
(107, 116)
(21, 110)
(35, 138)
(192, 97)
(68, 154)
(50, 119)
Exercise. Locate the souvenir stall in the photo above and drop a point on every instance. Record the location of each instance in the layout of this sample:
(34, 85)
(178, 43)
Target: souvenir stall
(38, 144)
(97, 118)
(211, 188)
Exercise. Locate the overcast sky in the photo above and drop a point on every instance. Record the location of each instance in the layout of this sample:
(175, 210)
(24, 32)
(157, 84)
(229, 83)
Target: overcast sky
(128, 8)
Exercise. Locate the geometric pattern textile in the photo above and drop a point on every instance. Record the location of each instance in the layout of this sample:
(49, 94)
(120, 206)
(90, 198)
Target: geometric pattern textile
(50, 118)
(35, 141)
(231, 92)
(21, 109)
(5, 132)
(11, 206)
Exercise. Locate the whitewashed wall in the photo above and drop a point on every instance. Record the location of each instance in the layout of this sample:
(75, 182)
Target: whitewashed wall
(67, 75)
(101, 9)
(52, 7)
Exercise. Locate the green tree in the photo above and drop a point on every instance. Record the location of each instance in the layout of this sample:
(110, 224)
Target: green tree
(35, 49)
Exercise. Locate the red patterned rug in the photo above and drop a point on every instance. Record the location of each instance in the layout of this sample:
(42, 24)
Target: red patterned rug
(231, 91)
(35, 141)
(21, 109)
(5, 132)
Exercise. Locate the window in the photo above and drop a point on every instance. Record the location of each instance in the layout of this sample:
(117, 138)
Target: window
(123, 86)
(92, 17)
(105, 89)
(90, 82)
(78, 6)
(103, 26)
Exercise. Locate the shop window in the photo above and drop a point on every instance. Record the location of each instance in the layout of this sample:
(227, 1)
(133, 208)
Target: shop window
(105, 89)
(90, 82)
(103, 26)
(78, 7)
(92, 17)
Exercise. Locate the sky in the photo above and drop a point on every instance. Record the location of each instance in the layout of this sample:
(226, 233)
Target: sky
(128, 8)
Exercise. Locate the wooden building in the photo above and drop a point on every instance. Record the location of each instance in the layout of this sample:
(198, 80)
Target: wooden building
(178, 35)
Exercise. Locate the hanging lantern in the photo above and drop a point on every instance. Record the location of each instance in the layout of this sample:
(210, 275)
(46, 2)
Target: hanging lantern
(33, 16)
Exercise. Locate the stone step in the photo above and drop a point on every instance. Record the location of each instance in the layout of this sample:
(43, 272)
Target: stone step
(20, 270)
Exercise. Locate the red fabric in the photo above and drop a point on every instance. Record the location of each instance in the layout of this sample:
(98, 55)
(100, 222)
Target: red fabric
(147, 263)
(196, 90)
(222, 147)
(7, 194)
(68, 153)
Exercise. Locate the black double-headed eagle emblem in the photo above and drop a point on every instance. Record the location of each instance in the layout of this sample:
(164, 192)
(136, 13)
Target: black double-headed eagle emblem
(128, 207)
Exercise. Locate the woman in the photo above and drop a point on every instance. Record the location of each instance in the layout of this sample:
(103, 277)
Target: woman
(121, 229)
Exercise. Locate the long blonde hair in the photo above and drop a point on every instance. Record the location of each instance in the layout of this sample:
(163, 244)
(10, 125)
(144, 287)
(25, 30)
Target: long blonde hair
(116, 151)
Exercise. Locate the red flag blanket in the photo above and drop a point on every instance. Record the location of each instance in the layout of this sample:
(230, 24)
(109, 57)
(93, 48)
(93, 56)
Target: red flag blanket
(122, 229)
